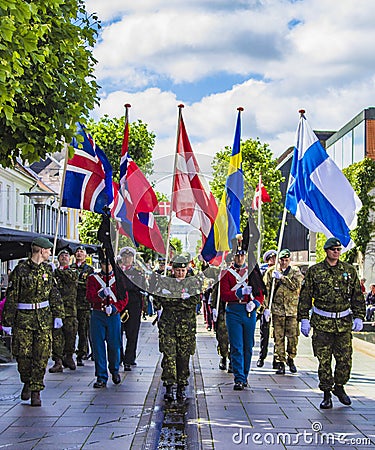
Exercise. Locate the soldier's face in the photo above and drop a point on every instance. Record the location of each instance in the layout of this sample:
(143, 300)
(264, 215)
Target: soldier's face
(64, 259)
(180, 272)
(271, 260)
(284, 263)
(46, 253)
(239, 259)
(80, 255)
(127, 259)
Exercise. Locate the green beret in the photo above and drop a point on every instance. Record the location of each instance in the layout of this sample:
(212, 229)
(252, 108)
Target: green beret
(285, 253)
(42, 242)
(332, 242)
(63, 251)
(180, 261)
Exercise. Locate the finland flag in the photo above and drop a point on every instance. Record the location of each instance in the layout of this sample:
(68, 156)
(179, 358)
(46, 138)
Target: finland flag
(319, 195)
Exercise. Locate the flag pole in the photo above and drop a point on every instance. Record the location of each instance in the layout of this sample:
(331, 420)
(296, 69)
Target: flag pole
(127, 106)
(259, 215)
(282, 228)
(60, 201)
(180, 107)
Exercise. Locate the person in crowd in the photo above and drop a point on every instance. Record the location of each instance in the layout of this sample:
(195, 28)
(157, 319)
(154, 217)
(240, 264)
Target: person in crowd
(105, 323)
(332, 290)
(243, 293)
(33, 307)
(284, 304)
(363, 287)
(177, 298)
(370, 302)
(83, 306)
(64, 338)
(264, 315)
(136, 287)
(207, 302)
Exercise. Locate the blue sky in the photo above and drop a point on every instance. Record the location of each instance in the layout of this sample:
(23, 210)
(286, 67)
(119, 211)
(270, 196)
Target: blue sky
(272, 57)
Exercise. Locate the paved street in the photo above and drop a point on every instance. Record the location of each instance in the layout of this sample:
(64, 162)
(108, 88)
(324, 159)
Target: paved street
(281, 412)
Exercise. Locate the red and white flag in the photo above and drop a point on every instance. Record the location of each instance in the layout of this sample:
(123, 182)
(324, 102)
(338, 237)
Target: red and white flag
(164, 208)
(261, 195)
(192, 200)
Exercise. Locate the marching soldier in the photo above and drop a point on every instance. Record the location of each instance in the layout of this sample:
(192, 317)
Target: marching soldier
(177, 298)
(32, 309)
(83, 306)
(64, 339)
(339, 308)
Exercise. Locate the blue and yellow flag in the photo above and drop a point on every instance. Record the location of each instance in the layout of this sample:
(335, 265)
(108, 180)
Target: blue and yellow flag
(227, 223)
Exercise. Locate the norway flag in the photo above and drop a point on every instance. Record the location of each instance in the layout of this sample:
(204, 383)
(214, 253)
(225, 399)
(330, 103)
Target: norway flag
(88, 177)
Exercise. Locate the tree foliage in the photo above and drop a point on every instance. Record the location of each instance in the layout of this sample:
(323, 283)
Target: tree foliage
(256, 159)
(46, 75)
(108, 134)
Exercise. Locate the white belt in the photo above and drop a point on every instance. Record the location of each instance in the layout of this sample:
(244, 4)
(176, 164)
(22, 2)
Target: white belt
(33, 305)
(332, 315)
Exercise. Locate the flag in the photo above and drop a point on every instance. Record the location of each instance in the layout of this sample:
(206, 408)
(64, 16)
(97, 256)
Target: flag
(88, 176)
(227, 223)
(320, 196)
(135, 201)
(260, 194)
(192, 200)
(164, 208)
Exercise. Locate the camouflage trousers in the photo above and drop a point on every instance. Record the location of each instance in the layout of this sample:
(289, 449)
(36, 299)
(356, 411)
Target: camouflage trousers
(176, 359)
(64, 339)
(221, 334)
(32, 348)
(83, 318)
(326, 345)
(285, 328)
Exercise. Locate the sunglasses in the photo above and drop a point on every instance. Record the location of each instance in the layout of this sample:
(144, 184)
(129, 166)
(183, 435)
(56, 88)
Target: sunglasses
(335, 249)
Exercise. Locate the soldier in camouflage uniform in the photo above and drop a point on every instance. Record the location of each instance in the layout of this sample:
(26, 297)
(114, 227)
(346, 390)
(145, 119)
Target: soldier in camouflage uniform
(332, 289)
(177, 298)
(83, 306)
(64, 339)
(284, 309)
(32, 309)
(221, 331)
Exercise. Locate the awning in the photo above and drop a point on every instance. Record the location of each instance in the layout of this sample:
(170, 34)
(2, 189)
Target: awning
(16, 244)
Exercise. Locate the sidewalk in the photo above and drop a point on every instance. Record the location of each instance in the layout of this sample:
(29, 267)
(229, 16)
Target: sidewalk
(272, 411)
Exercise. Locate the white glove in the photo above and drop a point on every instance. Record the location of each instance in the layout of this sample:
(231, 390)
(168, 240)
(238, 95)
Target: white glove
(185, 295)
(250, 306)
(277, 275)
(247, 290)
(214, 315)
(58, 323)
(267, 315)
(7, 330)
(305, 327)
(165, 292)
(108, 310)
(159, 313)
(357, 325)
(107, 291)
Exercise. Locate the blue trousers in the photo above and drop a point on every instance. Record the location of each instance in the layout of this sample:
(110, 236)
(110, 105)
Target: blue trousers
(241, 329)
(106, 337)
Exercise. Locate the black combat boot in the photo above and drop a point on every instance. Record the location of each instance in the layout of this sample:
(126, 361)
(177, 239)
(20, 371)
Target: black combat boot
(230, 369)
(168, 396)
(291, 365)
(260, 362)
(223, 363)
(26, 393)
(57, 367)
(181, 394)
(80, 363)
(68, 361)
(327, 400)
(338, 390)
(35, 398)
(281, 369)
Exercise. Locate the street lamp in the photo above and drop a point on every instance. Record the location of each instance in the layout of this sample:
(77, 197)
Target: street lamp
(39, 200)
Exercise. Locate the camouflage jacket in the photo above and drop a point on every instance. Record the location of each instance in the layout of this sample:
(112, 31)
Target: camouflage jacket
(286, 291)
(332, 289)
(84, 270)
(67, 284)
(32, 283)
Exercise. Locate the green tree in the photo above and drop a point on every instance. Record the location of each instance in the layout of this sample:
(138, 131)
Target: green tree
(46, 75)
(108, 134)
(256, 159)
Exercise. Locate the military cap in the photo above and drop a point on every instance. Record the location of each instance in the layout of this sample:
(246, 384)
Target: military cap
(179, 262)
(63, 251)
(80, 247)
(285, 253)
(42, 242)
(332, 242)
(267, 255)
(127, 251)
(161, 259)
